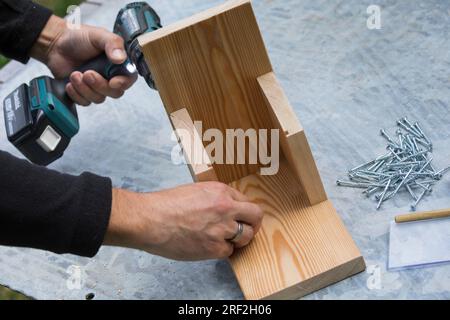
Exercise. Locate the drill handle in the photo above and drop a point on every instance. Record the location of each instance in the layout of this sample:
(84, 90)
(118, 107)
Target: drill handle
(100, 64)
(106, 68)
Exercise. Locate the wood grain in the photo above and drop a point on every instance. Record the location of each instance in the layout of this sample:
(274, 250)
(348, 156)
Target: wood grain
(209, 64)
(293, 140)
(195, 154)
(299, 249)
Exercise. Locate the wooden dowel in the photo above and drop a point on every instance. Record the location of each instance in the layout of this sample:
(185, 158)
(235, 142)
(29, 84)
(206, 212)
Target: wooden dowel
(422, 215)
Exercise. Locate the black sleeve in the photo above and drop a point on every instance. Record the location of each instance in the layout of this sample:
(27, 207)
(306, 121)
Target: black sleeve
(21, 22)
(41, 208)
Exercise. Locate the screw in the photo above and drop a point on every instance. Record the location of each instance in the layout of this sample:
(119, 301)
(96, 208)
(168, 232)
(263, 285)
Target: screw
(375, 165)
(394, 153)
(411, 126)
(437, 176)
(426, 182)
(424, 143)
(370, 191)
(386, 136)
(405, 127)
(413, 195)
(414, 142)
(427, 188)
(416, 125)
(363, 165)
(414, 206)
(383, 194)
(406, 164)
(443, 171)
(414, 155)
(401, 183)
(352, 184)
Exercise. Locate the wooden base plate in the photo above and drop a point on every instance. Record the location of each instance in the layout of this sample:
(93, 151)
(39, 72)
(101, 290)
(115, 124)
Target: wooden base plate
(299, 249)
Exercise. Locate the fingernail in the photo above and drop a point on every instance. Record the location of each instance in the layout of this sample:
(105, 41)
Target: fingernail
(77, 78)
(90, 79)
(118, 54)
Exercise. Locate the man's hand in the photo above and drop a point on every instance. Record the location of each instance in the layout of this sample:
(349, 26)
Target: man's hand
(191, 222)
(64, 49)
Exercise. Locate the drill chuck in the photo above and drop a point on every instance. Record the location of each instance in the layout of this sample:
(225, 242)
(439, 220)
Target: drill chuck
(132, 21)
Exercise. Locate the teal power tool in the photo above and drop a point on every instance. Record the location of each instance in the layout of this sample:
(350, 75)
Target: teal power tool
(41, 119)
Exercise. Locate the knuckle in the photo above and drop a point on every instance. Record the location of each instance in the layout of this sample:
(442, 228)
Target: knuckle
(230, 228)
(117, 38)
(214, 234)
(223, 204)
(251, 232)
(218, 186)
(117, 94)
(99, 100)
(259, 213)
(76, 85)
(225, 251)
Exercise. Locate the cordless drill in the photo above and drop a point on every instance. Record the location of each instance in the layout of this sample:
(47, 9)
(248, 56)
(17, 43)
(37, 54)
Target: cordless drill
(41, 119)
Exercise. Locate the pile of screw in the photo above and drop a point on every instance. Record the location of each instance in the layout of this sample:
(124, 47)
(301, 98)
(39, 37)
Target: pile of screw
(405, 168)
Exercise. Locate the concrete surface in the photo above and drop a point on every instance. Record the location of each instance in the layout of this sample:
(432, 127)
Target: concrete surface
(344, 81)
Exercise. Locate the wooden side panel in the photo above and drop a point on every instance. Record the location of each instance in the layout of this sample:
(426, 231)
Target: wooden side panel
(293, 141)
(209, 64)
(300, 248)
(195, 154)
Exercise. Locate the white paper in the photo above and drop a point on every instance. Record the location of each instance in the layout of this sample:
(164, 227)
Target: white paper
(419, 243)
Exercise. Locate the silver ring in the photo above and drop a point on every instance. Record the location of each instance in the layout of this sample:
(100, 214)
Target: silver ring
(238, 233)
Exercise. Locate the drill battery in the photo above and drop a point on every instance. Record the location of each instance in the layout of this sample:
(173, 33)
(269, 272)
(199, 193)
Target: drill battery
(37, 122)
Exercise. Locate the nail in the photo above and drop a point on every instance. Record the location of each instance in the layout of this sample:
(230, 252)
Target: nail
(411, 126)
(77, 78)
(411, 192)
(414, 206)
(90, 79)
(406, 128)
(383, 194)
(118, 54)
(386, 136)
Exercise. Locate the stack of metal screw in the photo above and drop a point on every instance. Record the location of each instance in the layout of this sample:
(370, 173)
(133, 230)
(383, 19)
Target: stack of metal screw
(406, 167)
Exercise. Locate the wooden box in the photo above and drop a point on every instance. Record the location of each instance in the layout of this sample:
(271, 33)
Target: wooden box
(214, 67)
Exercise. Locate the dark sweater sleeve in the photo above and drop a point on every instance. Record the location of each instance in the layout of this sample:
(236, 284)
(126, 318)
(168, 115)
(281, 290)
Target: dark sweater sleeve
(41, 208)
(21, 22)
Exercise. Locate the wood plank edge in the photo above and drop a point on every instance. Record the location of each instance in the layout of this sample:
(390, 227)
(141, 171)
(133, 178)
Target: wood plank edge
(320, 281)
(199, 172)
(188, 22)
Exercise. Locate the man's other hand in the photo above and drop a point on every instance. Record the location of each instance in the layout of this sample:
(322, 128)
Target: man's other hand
(191, 222)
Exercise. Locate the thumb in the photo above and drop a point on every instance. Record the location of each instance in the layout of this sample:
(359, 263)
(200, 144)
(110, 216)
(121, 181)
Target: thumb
(109, 42)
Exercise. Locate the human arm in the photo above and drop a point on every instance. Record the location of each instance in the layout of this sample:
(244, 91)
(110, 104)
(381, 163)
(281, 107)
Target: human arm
(190, 222)
(71, 214)
(29, 30)
(41, 208)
